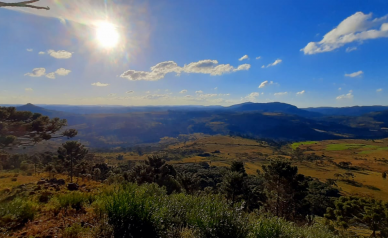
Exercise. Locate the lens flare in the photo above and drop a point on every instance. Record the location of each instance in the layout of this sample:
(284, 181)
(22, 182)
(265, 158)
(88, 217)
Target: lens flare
(107, 35)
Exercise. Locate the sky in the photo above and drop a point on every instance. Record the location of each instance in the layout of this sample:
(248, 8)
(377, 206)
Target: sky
(168, 52)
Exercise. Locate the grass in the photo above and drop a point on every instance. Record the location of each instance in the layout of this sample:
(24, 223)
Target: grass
(360, 153)
(7, 183)
(337, 147)
(377, 150)
(16, 213)
(295, 145)
(275, 227)
(146, 211)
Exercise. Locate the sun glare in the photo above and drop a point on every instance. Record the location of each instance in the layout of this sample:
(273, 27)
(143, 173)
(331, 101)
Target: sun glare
(107, 35)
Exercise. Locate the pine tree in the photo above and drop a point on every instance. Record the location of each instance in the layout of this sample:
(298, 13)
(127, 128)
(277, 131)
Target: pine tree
(71, 153)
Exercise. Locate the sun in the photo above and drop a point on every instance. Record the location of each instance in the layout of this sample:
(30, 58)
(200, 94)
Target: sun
(107, 35)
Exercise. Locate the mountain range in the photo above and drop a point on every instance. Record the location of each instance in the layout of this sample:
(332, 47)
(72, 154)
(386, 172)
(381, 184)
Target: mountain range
(113, 126)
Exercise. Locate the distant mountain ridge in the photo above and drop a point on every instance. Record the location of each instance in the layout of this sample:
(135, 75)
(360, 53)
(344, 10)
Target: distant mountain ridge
(275, 107)
(128, 126)
(347, 111)
(36, 109)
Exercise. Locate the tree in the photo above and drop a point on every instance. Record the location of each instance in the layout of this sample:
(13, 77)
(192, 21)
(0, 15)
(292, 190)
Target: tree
(362, 212)
(321, 196)
(71, 153)
(35, 160)
(238, 186)
(155, 170)
(23, 4)
(189, 182)
(285, 188)
(253, 192)
(232, 186)
(238, 166)
(22, 128)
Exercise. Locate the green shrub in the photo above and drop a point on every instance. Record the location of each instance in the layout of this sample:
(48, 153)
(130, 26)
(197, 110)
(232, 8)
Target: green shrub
(75, 200)
(274, 227)
(74, 231)
(146, 211)
(16, 213)
(130, 210)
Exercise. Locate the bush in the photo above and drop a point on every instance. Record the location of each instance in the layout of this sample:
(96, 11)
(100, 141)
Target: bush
(274, 227)
(130, 210)
(75, 200)
(146, 211)
(74, 231)
(16, 213)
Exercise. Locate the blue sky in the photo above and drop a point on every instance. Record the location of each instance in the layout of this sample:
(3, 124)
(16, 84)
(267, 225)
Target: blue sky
(101, 52)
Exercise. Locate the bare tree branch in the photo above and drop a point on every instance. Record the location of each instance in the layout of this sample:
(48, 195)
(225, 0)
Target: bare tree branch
(23, 4)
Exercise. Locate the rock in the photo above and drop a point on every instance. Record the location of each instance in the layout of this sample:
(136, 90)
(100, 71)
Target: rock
(61, 182)
(53, 180)
(32, 193)
(38, 188)
(72, 186)
(41, 182)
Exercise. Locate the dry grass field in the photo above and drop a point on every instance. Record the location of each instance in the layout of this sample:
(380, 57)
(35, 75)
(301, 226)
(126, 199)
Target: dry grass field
(369, 157)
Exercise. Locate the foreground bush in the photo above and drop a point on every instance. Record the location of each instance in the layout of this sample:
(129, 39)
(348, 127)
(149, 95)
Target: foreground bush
(274, 227)
(16, 213)
(147, 211)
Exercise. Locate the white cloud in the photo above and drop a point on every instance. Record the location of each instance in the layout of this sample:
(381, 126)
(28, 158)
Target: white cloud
(42, 53)
(350, 49)
(358, 27)
(37, 72)
(51, 75)
(29, 89)
(379, 90)
(29, 50)
(252, 96)
(129, 92)
(243, 58)
(156, 96)
(243, 67)
(199, 92)
(355, 74)
(263, 84)
(60, 54)
(301, 92)
(98, 84)
(346, 96)
(339, 89)
(280, 94)
(160, 70)
(258, 57)
(183, 91)
(278, 61)
(62, 72)
(207, 95)
(215, 88)
(148, 92)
